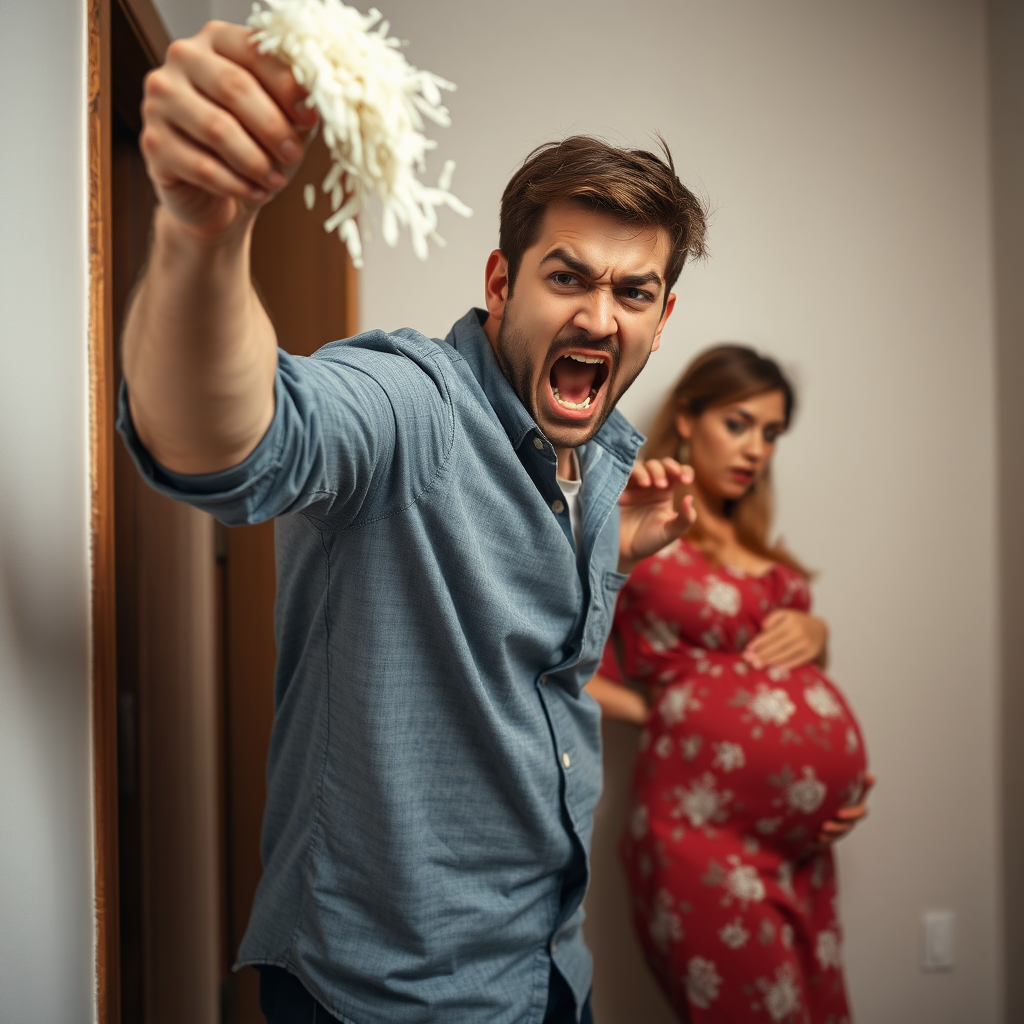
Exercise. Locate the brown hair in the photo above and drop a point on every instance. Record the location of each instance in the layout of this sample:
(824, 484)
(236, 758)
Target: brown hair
(633, 184)
(719, 376)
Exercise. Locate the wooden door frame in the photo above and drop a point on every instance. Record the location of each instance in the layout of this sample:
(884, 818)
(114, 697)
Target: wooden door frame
(153, 38)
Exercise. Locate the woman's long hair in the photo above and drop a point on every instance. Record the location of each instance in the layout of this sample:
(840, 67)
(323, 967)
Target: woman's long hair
(722, 375)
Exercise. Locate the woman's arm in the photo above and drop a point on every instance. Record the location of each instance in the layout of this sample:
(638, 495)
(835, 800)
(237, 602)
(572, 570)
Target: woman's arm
(618, 702)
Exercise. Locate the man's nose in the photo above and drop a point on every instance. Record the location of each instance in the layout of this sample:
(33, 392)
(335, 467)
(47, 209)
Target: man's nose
(596, 314)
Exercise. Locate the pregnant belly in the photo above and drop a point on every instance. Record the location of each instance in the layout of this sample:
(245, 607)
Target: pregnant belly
(768, 754)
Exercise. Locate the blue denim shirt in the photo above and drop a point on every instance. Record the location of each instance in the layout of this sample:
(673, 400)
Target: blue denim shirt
(434, 765)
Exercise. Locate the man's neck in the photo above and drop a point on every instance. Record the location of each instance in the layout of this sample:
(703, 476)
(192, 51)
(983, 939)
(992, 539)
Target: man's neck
(566, 463)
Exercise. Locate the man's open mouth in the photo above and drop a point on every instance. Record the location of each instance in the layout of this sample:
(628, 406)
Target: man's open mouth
(577, 378)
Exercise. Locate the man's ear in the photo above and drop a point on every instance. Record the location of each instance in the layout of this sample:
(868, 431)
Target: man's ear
(670, 304)
(496, 284)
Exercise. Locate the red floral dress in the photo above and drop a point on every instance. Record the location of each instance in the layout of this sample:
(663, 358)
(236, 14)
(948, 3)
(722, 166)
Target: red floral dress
(733, 901)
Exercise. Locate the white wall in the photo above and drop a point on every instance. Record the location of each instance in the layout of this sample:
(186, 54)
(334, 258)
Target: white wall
(844, 148)
(1006, 44)
(46, 847)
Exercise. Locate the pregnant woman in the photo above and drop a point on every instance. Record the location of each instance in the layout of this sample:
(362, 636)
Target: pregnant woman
(750, 762)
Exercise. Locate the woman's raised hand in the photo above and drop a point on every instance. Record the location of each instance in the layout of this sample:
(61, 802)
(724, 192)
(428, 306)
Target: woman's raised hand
(788, 638)
(224, 127)
(649, 517)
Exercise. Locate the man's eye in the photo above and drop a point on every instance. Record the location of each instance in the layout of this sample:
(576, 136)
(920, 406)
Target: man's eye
(638, 295)
(564, 278)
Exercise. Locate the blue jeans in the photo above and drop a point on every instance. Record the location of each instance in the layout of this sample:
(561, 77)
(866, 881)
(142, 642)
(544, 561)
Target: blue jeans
(284, 1000)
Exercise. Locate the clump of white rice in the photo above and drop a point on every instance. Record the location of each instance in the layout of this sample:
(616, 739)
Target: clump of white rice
(372, 105)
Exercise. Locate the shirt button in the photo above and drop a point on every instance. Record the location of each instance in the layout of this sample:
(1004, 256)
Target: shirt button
(543, 680)
(538, 444)
(558, 506)
(554, 946)
(566, 760)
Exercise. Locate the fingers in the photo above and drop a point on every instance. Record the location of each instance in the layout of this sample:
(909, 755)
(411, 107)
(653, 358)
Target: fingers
(788, 639)
(685, 517)
(174, 160)
(843, 823)
(833, 831)
(235, 43)
(203, 129)
(773, 640)
(640, 477)
(784, 655)
(220, 117)
(238, 90)
(848, 817)
(660, 474)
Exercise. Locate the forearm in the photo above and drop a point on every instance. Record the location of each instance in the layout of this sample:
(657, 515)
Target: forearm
(200, 352)
(618, 702)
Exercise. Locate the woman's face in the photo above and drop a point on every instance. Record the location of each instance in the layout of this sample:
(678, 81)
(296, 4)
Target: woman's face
(731, 445)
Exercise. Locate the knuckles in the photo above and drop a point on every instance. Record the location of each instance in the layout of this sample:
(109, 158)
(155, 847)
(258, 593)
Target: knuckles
(180, 51)
(149, 141)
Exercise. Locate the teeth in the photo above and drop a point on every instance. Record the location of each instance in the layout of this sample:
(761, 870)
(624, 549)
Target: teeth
(585, 404)
(583, 359)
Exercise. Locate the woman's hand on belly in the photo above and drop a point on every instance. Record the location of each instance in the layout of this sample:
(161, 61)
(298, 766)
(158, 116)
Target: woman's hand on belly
(845, 820)
(787, 639)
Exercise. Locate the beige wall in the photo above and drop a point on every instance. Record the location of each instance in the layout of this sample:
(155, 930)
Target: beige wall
(46, 851)
(1007, 79)
(845, 150)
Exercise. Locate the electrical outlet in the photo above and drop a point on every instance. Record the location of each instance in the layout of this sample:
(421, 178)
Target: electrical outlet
(937, 940)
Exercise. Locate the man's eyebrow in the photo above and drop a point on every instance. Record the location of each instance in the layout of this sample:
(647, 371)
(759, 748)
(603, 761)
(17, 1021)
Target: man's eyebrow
(574, 263)
(636, 280)
(561, 255)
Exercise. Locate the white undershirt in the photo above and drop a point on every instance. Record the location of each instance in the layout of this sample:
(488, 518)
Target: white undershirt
(571, 490)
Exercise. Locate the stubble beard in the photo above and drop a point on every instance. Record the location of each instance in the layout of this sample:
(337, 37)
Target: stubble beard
(514, 353)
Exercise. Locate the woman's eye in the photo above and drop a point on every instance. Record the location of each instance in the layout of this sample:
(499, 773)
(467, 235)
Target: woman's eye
(735, 426)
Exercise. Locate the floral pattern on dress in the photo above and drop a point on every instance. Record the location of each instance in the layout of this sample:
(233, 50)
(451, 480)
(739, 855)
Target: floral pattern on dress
(738, 767)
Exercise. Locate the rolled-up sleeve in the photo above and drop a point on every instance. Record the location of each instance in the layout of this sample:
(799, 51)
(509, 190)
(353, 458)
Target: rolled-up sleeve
(359, 430)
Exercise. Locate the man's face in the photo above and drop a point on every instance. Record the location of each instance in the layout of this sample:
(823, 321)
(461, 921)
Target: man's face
(586, 312)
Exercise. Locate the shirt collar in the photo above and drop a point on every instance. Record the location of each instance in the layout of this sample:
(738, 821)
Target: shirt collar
(467, 337)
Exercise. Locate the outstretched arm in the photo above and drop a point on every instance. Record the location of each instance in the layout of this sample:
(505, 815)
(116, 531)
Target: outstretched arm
(619, 702)
(223, 129)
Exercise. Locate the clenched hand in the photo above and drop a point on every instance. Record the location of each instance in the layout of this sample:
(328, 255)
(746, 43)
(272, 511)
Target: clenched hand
(224, 127)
